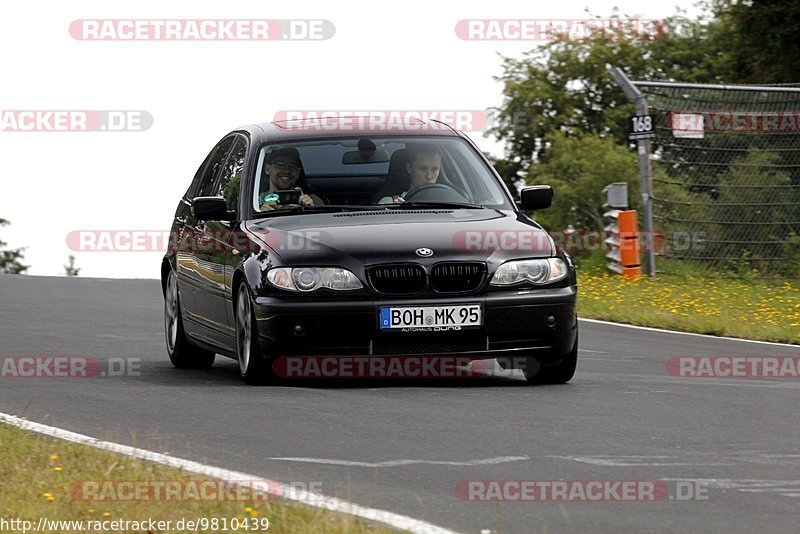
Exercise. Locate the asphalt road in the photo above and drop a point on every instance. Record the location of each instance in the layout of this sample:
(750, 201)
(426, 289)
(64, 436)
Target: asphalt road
(623, 417)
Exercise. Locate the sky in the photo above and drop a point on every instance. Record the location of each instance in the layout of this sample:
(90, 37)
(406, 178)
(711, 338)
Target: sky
(186, 95)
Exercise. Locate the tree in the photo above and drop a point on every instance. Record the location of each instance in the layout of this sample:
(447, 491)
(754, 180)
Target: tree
(564, 86)
(10, 259)
(70, 269)
(764, 33)
(578, 168)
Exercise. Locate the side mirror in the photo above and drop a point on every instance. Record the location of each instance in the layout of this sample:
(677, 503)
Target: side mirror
(536, 197)
(210, 209)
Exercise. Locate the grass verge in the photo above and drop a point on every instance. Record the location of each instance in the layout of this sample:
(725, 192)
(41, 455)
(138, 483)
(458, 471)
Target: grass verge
(44, 477)
(765, 310)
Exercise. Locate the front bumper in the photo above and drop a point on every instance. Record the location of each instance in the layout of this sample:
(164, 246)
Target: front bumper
(538, 323)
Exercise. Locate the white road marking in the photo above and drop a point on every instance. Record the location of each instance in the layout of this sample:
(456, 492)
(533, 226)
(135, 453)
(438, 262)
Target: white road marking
(688, 458)
(396, 463)
(651, 329)
(776, 383)
(622, 461)
(249, 481)
(125, 338)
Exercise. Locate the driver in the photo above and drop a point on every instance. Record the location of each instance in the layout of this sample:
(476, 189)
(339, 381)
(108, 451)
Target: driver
(424, 164)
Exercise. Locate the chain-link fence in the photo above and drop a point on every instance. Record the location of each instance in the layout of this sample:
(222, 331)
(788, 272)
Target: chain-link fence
(726, 177)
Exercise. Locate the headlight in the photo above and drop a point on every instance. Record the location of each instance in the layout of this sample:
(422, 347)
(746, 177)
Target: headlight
(544, 271)
(312, 278)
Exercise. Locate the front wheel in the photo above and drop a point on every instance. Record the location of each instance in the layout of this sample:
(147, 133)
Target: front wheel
(253, 367)
(560, 373)
(181, 353)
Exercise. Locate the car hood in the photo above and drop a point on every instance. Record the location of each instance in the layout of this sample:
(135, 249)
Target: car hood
(382, 236)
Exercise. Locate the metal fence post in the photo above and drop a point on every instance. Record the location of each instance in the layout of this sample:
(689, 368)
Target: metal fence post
(645, 170)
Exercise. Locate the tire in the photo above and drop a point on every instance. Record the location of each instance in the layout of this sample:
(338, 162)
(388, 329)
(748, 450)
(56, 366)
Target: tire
(253, 367)
(560, 373)
(182, 354)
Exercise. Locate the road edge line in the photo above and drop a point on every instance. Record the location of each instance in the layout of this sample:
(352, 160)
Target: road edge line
(416, 526)
(653, 329)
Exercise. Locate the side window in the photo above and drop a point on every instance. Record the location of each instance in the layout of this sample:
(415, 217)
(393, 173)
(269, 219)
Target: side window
(231, 178)
(215, 161)
(195, 185)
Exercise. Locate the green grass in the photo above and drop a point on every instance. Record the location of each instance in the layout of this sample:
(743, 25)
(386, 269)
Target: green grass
(745, 307)
(38, 476)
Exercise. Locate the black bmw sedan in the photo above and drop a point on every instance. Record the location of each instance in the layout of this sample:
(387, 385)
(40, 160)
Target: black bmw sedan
(341, 240)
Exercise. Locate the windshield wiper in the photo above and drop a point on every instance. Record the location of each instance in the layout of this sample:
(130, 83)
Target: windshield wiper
(432, 204)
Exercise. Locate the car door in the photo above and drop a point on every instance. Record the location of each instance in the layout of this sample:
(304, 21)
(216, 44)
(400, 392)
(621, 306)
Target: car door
(219, 254)
(194, 269)
(181, 241)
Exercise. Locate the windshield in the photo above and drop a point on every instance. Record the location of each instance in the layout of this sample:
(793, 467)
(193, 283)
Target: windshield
(366, 171)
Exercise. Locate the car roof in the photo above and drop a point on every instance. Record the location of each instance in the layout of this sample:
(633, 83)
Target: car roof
(350, 126)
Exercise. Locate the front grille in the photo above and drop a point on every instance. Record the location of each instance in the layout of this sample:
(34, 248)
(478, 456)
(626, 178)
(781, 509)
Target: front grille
(457, 277)
(394, 345)
(403, 279)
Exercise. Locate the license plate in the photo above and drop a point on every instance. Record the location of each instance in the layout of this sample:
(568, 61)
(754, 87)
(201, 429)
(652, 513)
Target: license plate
(462, 315)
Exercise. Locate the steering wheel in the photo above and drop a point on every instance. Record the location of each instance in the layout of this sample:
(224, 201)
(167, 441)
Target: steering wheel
(435, 193)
